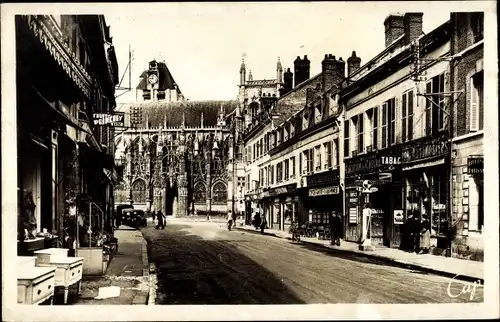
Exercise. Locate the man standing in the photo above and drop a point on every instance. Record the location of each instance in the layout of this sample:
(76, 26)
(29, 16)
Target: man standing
(161, 220)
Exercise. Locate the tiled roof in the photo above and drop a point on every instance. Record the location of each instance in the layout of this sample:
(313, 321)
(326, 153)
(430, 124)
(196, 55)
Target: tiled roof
(157, 112)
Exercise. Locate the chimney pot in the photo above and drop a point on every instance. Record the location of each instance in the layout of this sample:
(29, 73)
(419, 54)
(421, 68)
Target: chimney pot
(412, 26)
(394, 28)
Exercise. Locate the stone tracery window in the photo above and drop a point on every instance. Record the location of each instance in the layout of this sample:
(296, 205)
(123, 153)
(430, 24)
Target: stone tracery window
(200, 193)
(139, 191)
(219, 193)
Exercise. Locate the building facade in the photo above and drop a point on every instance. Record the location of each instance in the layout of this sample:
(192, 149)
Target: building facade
(65, 162)
(157, 83)
(177, 157)
(467, 83)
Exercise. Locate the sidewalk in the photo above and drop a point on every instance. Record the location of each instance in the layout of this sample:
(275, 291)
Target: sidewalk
(128, 269)
(440, 265)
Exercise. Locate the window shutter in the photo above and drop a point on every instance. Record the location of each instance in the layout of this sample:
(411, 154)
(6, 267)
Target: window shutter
(398, 123)
(474, 107)
(428, 109)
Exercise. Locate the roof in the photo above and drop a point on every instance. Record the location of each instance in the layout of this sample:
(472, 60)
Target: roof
(166, 80)
(262, 82)
(157, 112)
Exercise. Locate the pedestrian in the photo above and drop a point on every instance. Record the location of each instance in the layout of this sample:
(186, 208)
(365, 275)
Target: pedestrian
(425, 242)
(118, 218)
(263, 224)
(161, 220)
(415, 232)
(153, 215)
(337, 228)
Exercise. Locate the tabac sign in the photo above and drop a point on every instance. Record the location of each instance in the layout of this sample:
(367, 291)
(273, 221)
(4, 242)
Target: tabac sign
(115, 119)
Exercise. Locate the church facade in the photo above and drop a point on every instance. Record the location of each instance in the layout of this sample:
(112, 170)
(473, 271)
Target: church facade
(177, 156)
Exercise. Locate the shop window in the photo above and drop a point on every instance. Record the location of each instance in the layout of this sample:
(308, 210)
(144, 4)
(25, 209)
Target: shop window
(476, 111)
(200, 192)
(139, 191)
(434, 105)
(407, 116)
(219, 193)
(346, 139)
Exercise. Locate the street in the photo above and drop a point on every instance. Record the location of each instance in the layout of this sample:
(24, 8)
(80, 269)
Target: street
(203, 263)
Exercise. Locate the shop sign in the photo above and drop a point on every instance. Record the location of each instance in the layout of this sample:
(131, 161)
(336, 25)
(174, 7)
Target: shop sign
(353, 197)
(398, 217)
(115, 119)
(394, 160)
(427, 147)
(324, 178)
(475, 165)
(290, 188)
(264, 194)
(324, 191)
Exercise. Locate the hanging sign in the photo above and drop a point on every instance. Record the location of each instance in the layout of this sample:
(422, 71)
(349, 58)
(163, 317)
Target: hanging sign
(115, 119)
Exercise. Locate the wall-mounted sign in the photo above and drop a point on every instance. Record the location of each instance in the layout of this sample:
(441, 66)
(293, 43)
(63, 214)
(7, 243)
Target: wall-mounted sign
(324, 191)
(353, 215)
(115, 119)
(475, 165)
(391, 160)
(324, 178)
(424, 148)
(398, 217)
(289, 188)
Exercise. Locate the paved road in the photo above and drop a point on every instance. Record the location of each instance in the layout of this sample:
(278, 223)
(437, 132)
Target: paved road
(203, 263)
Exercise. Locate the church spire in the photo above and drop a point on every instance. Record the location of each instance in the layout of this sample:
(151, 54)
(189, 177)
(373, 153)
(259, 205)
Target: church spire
(279, 72)
(242, 72)
(201, 119)
(250, 77)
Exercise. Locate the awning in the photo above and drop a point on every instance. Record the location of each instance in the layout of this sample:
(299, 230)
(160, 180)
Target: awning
(90, 157)
(58, 113)
(424, 164)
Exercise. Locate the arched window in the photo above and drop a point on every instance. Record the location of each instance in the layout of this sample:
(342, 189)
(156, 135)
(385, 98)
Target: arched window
(139, 191)
(200, 193)
(219, 193)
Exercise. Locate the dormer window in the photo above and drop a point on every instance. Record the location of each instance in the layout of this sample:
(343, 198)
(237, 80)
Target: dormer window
(317, 114)
(305, 120)
(285, 132)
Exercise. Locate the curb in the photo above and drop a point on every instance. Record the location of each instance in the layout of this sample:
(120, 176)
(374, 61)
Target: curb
(142, 297)
(393, 262)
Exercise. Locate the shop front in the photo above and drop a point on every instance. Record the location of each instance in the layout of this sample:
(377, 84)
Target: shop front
(280, 205)
(381, 173)
(427, 184)
(324, 197)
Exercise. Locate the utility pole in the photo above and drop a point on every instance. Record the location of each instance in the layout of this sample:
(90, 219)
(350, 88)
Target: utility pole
(420, 64)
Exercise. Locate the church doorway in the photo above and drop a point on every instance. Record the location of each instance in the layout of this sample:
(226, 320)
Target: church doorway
(170, 200)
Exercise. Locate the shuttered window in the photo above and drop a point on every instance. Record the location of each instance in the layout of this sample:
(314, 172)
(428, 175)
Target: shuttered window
(476, 102)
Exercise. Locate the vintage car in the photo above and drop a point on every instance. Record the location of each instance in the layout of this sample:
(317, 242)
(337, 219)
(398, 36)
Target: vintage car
(134, 218)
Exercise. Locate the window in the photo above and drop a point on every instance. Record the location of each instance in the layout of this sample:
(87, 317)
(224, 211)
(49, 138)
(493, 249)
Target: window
(375, 128)
(346, 139)
(293, 166)
(200, 192)
(139, 191)
(310, 160)
(477, 25)
(287, 169)
(328, 154)
(388, 123)
(476, 102)
(337, 154)
(317, 114)
(305, 121)
(361, 143)
(285, 132)
(434, 105)
(292, 129)
(407, 116)
(317, 151)
(219, 193)
(272, 174)
(279, 172)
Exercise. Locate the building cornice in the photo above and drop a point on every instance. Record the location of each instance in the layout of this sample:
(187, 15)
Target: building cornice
(50, 35)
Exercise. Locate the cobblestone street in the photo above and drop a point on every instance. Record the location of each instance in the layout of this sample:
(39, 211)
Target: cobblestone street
(203, 263)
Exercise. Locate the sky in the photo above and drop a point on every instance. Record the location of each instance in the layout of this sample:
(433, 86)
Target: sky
(203, 43)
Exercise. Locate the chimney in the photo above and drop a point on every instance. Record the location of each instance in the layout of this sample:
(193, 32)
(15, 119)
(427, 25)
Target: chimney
(353, 64)
(302, 69)
(288, 82)
(412, 26)
(329, 73)
(394, 28)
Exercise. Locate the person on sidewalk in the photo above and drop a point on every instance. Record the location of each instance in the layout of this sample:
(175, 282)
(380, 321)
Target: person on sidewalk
(415, 232)
(263, 223)
(336, 224)
(425, 241)
(161, 220)
(153, 215)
